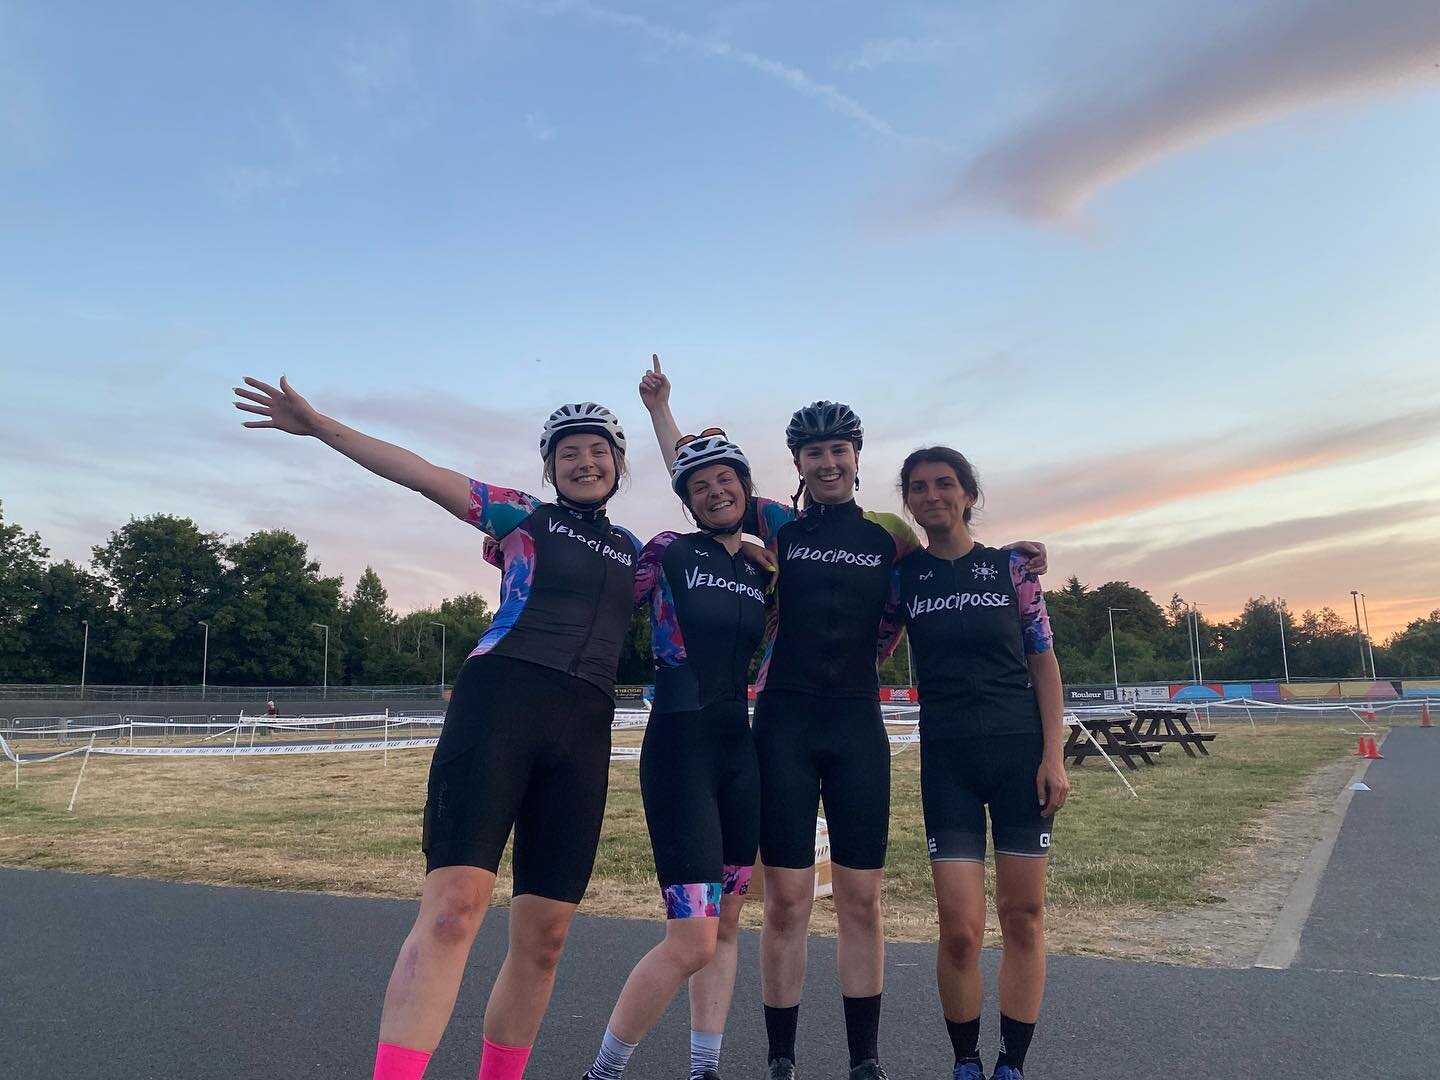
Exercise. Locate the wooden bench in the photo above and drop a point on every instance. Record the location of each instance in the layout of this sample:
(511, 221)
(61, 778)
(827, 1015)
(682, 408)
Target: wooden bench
(1115, 734)
(1172, 726)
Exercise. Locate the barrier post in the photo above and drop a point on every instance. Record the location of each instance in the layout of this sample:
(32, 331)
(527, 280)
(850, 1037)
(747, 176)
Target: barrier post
(385, 752)
(86, 761)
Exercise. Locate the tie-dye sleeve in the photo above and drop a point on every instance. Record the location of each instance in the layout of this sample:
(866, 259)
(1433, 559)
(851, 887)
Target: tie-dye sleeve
(905, 539)
(1034, 622)
(892, 622)
(763, 517)
(647, 571)
(497, 510)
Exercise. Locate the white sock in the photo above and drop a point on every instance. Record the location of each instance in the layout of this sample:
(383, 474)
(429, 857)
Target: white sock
(614, 1055)
(704, 1052)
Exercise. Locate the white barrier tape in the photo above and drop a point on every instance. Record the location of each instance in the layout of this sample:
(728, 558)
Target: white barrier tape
(263, 751)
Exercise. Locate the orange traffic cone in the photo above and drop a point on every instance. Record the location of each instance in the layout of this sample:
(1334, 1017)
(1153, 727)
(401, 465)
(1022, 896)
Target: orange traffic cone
(1425, 714)
(1360, 747)
(1372, 751)
(1371, 714)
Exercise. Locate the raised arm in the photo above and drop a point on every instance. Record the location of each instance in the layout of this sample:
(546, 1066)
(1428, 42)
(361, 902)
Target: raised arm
(285, 410)
(655, 393)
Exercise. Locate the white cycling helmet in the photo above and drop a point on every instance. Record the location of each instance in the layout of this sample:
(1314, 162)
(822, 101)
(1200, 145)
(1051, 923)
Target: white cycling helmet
(584, 418)
(698, 453)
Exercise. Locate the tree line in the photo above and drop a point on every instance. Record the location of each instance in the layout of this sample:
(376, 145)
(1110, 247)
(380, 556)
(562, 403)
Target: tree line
(155, 581)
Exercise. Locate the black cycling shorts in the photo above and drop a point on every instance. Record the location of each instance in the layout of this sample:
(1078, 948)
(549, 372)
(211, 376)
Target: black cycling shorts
(702, 801)
(815, 748)
(959, 777)
(528, 747)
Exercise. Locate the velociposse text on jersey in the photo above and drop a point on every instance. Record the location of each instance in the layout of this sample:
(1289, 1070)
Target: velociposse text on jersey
(831, 555)
(957, 602)
(694, 578)
(603, 548)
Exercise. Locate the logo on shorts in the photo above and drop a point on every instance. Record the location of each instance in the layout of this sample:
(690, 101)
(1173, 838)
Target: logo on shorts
(1044, 839)
(985, 571)
(934, 847)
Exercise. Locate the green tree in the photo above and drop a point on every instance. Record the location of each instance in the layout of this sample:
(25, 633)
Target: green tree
(466, 618)
(367, 633)
(165, 575)
(1325, 646)
(1414, 651)
(22, 571)
(637, 663)
(70, 595)
(271, 595)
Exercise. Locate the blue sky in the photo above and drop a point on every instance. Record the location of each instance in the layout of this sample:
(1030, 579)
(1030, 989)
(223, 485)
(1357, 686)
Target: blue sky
(1168, 278)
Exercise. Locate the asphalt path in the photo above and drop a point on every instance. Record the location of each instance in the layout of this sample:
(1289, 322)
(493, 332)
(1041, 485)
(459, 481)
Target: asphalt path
(1378, 905)
(113, 977)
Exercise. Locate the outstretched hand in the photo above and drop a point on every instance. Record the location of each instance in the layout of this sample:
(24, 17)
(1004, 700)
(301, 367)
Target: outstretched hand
(282, 408)
(654, 386)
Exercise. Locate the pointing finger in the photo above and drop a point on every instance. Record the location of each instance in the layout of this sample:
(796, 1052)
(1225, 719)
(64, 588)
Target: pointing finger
(655, 362)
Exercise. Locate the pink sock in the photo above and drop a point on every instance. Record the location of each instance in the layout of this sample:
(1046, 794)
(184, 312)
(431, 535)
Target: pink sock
(502, 1062)
(399, 1062)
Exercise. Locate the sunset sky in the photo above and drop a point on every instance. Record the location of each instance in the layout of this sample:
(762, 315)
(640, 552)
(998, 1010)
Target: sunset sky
(1171, 278)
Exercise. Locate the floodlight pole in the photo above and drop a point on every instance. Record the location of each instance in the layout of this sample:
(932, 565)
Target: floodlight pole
(1369, 641)
(1284, 657)
(204, 658)
(325, 689)
(1114, 664)
(84, 657)
(442, 652)
(1354, 599)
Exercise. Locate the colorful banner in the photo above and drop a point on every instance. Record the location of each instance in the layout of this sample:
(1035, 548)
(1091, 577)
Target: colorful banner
(1196, 692)
(1421, 688)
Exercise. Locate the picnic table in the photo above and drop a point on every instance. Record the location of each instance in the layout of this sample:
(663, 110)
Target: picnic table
(1172, 726)
(1116, 735)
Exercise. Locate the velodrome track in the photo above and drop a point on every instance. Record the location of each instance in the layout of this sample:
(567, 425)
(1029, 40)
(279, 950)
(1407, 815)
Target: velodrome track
(108, 977)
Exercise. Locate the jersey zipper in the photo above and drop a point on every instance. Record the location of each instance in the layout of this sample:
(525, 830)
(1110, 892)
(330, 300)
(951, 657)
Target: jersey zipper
(594, 614)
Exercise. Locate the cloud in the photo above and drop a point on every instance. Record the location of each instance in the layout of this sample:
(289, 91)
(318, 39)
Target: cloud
(899, 50)
(1302, 54)
(797, 80)
(1220, 554)
(1111, 486)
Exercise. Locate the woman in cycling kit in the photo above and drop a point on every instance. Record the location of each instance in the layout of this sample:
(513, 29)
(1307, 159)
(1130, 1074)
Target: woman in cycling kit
(819, 734)
(991, 733)
(697, 770)
(526, 740)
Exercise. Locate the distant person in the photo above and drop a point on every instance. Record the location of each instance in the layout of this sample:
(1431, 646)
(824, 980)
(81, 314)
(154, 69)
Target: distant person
(992, 733)
(526, 739)
(272, 711)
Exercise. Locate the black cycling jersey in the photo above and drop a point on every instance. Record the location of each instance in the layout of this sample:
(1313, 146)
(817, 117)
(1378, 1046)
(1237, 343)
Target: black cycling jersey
(835, 564)
(707, 614)
(972, 622)
(567, 590)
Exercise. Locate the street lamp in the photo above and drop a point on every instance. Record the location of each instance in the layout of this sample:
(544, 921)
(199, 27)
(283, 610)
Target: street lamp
(325, 690)
(1114, 664)
(1354, 599)
(442, 652)
(205, 658)
(1284, 657)
(1369, 641)
(84, 657)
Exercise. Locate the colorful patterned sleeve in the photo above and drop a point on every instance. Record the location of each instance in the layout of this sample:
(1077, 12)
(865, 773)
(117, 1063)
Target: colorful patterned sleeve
(905, 539)
(764, 517)
(647, 571)
(497, 510)
(1034, 622)
(892, 621)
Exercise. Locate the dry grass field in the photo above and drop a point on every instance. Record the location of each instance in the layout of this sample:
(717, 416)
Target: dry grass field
(1190, 871)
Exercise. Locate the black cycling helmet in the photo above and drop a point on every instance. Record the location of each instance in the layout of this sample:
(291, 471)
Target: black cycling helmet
(823, 420)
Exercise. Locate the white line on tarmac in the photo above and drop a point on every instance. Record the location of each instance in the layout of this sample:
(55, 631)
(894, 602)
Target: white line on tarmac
(1283, 941)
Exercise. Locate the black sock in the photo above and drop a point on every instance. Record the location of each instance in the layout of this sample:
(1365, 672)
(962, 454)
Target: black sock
(965, 1038)
(780, 1027)
(1015, 1039)
(862, 1028)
